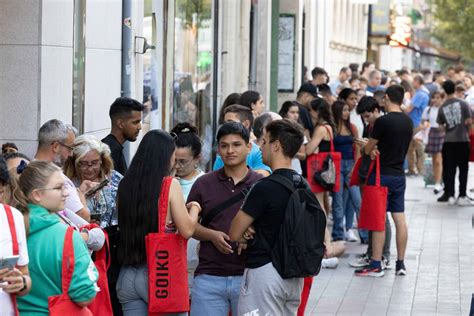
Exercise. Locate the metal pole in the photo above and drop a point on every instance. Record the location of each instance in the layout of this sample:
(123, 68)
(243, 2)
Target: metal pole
(127, 48)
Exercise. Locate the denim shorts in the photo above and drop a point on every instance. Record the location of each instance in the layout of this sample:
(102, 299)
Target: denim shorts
(396, 191)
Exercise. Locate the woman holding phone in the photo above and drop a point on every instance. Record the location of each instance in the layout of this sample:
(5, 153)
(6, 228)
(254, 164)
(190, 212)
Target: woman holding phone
(91, 161)
(14, 275)
(41, 194)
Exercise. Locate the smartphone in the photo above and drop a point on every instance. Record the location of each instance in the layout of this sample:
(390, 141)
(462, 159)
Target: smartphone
(97, 188)
(9, 262)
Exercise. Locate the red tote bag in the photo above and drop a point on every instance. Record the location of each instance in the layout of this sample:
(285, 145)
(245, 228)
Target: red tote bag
(15, 251)
(167, 264)
(314, 163)
(373, 208)
(102, 304)
(62, 305)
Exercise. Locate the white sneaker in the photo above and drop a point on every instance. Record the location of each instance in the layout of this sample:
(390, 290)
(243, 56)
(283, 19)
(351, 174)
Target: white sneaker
(350, 236)
(330, 263)
(464, 201)
(437, 188)
(451, 201)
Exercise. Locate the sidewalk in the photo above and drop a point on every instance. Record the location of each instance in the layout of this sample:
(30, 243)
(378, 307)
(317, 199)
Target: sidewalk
(439, 261)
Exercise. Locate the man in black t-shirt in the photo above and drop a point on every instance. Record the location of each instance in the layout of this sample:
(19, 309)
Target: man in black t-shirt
(263, 291)
(125, 115)
(390, 138)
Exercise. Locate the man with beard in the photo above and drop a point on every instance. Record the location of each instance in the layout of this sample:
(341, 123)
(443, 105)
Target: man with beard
(125, 115)
(55, 144)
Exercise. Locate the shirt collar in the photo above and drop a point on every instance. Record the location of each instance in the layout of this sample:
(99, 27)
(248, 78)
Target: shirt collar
(221, 175)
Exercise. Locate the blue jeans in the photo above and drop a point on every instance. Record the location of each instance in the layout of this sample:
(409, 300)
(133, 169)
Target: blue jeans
(345, 202)
(215, 295)
(132, 290)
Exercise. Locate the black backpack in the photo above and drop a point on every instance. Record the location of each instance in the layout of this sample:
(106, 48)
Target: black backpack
(299, 248)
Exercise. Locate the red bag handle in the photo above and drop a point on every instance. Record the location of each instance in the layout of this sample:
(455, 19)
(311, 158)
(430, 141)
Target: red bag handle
(163, 203)
(68, 261)
(11, 224)
(377, 170)
(330, 138)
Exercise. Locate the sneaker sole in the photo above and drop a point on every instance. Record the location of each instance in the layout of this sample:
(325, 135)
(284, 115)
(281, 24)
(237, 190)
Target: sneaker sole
(401, 272)
(357, 265)
(371, 274)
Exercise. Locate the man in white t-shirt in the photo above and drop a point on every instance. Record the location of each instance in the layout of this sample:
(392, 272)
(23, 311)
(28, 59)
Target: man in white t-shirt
(55, 144)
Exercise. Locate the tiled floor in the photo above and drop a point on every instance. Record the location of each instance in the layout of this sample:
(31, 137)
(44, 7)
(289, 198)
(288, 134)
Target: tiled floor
(439, 261)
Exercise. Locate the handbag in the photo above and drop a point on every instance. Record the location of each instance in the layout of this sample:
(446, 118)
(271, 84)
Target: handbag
(324, 170)
(15, 251)
(61, 305)
(102, 304)
(168, 290)
(373, 208)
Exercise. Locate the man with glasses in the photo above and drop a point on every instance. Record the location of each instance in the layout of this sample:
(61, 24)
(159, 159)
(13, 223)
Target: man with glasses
(220, 193)
(55, 144)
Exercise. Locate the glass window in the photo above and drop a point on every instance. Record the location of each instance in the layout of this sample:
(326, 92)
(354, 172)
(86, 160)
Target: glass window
(193, 69)
(149, 67)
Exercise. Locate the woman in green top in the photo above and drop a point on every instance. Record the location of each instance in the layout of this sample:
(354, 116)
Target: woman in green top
(41, 194)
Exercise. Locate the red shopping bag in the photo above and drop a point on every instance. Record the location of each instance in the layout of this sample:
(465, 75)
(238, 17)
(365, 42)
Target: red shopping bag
(355, 173)
(102, 304)
(471, 138)
(373, 208)
(11, 224)
(315, 163)
(62, 305)
(167, 264)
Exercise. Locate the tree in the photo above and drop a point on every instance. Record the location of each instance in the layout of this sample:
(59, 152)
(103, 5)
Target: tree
(454, 26)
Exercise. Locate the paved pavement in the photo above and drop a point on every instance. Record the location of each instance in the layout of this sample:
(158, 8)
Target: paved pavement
(439, 261)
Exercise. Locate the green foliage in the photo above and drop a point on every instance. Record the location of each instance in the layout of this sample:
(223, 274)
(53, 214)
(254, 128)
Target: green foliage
(193, 11)
(455, 25)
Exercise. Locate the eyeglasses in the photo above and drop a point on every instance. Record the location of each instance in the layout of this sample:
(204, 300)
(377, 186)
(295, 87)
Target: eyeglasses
(182, 162)
(174, 135)
(61, 188)
(70, 148)
(89, 164)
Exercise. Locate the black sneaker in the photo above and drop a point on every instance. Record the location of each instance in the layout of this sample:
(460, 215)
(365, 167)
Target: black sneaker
(400, 268)
(443, 198)
(369, 271)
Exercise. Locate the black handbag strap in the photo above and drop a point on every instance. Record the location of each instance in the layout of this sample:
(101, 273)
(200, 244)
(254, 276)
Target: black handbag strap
(207, 219)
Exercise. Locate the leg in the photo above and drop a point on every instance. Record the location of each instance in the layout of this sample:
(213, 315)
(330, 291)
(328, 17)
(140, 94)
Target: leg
(378, 239)
(320, 198)
(449, 161)
(235, 283)
(420, 156)
(388, 238)
(411, 156)
(401, 233)
(209, 296)
(437, 167)
(293, 287)
(463, 165)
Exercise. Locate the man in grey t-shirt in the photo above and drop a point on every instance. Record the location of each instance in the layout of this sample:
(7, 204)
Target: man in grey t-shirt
(456, 118)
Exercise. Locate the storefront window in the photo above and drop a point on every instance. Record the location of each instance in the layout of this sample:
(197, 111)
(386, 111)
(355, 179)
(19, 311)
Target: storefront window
(150, 98)
(193, 69)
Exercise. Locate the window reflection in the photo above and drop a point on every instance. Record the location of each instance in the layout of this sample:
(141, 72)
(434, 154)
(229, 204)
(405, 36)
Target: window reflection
(193, 68)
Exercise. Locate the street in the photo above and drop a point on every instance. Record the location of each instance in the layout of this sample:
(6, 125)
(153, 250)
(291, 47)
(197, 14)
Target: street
(439, 261)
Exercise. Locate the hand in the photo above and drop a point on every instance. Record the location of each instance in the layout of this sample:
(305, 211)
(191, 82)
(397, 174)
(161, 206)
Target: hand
(374, 153)
(241, 247)
(249, 233)
(13, 281)
(3, 273)
(195, 204)
(361, 141)
(86, 185)
(220, 242)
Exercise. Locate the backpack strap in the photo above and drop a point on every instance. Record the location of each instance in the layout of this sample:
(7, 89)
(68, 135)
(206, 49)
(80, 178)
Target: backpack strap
(206, 220)
(15, 250)
(284, 181)
(163, 203)
(68, 261)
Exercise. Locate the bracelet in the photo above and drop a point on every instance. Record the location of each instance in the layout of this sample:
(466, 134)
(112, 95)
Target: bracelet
(24, 284)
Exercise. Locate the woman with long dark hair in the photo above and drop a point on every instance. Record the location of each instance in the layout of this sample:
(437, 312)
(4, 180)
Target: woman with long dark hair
(137, 204)
(345, 202)
(254, 101)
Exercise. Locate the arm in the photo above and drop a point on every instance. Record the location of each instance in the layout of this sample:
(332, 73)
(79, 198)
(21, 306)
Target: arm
(301, 154)
(17, 280)
(371, 146)
(185, 222)
(239, 226)
(313, 144)
(357, 146)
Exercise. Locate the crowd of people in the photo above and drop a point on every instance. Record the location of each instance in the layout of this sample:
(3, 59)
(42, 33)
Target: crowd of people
(78, 196)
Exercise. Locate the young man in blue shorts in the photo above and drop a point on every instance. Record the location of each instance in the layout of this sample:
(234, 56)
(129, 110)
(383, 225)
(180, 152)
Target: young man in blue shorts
(390, 138)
